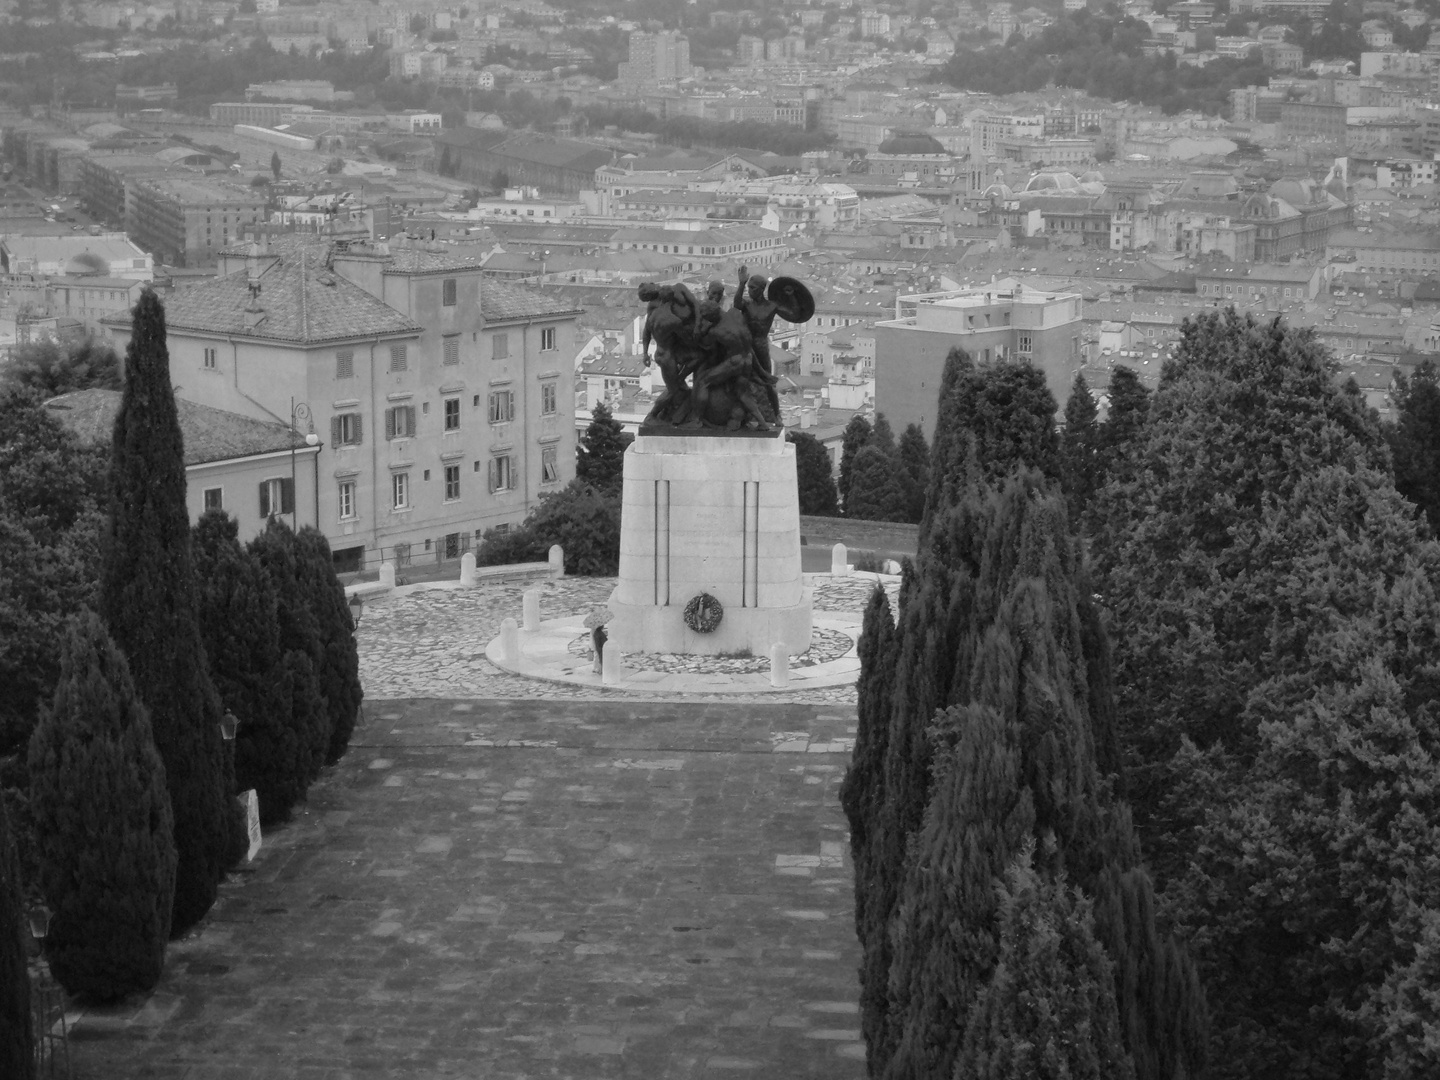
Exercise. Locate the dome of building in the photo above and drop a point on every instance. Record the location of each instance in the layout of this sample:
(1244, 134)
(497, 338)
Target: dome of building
(1094, 176)
(1053, 181)
(997, 191)
(911, 142)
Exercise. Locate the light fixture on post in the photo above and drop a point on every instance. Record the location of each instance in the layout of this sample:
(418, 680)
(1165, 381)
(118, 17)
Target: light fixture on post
(47, 1005)
(300, 411)
(40, 923)
(229, 724)
(357, 608)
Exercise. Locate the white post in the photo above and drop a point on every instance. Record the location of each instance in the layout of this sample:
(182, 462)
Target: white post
(531, 600)
(839, 566)
(387, 574)
(779, 665)
(613, 664)
(509, 641)
(467, 569)
(557, 561)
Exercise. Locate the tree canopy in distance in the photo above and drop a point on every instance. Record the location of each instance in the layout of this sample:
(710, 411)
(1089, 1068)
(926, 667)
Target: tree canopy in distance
(600, 456)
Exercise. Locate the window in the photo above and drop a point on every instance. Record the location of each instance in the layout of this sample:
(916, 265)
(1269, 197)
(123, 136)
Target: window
(547, 339)
(277, 497)
(502, 473)
(549, 466)
(400, 491)
(397, 358)
(347, 500)
(447, 292)
(345, 364)
(500, 346)
(400, 422)
(210, 358)
(547, 399)
(452, 414)
(345, 429)
(1025, 342)
(452, 349)
(214, 498)
(452, 482)
(502, 406)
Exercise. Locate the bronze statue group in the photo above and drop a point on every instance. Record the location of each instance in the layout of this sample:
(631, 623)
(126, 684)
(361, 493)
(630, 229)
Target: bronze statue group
(724, 353)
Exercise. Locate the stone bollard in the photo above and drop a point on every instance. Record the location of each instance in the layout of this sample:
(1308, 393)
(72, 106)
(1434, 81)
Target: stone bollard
(779, 665)
(614, 667)
(839, 567)
(531, 600)
(467, 569)
(557, 561)
(509, 641)
(387, 574)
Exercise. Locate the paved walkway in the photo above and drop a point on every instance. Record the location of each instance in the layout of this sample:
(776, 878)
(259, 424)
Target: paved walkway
(507, 889)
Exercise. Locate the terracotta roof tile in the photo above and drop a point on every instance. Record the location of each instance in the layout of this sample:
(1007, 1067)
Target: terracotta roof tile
(500, 302)
(209, 434)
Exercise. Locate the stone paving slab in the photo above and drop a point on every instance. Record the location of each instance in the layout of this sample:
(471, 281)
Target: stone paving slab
(525, 889)
(429, 639)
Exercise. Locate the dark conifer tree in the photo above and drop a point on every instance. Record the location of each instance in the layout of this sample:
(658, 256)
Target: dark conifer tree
(340, 660)
(915, 465)
(302, 653)
(239, 616)
(856, 438)
(1414, 440)
(881, 435)
(1048, 1011)
(877, 487)
(1080, 448)
(17, 1034)
(1129, 405)
(813, 475)
(148, 603)
(600, 456)
(103, 824)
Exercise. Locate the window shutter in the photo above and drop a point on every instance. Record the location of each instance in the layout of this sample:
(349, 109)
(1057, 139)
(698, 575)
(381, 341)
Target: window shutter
(389, 423)
(494, 474)
(409, 419)
(509, 404)
(264, 499)
(359, 427)
(287, 496)
(335, 431)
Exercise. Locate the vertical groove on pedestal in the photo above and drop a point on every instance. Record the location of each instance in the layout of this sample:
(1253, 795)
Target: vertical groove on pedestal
(750, 583)
(662, 543)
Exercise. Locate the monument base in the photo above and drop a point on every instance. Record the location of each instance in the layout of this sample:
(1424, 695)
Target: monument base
(743, 631)
(715, 514)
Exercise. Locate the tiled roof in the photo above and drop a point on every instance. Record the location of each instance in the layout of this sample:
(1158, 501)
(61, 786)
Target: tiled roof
(419, 260)
(500, 302)
(300, 301)
(209, 434)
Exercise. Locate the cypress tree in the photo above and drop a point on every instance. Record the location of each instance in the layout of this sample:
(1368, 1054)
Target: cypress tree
(1129, 405)
(915, 466)
(277, 550)
(148, 603)
(103, 824)
(340, 659)
(1414, 440)
(881, 435)
(856, 438)
(17, 1035)
(1080, 448)
(877, 488)
(600, 455)
(1048, 1012)
(240, 620)
(813, 475)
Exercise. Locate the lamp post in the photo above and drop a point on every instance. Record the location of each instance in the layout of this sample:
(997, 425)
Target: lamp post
(47, 1004)
(300, 411)
(357, 608)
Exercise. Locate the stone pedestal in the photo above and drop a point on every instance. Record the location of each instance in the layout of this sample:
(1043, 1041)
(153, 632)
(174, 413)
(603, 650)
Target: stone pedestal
(717, 515)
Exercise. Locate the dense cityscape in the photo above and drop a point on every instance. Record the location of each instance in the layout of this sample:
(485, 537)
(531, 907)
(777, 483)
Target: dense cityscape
(344, 350)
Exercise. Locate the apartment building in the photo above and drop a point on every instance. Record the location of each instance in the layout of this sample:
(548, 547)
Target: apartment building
(1003, 320)
(443, 401)
(186, 220)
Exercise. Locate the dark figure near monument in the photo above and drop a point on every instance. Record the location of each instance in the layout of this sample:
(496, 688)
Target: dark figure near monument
(725, 354)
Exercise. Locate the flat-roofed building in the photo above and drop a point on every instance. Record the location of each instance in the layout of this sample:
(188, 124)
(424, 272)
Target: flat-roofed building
(1003, 320)
(187, 220)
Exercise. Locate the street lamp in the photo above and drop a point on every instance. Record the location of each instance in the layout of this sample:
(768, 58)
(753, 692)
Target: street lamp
(229, 724)
(300, 411)
(357, 608)
(39, 922)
